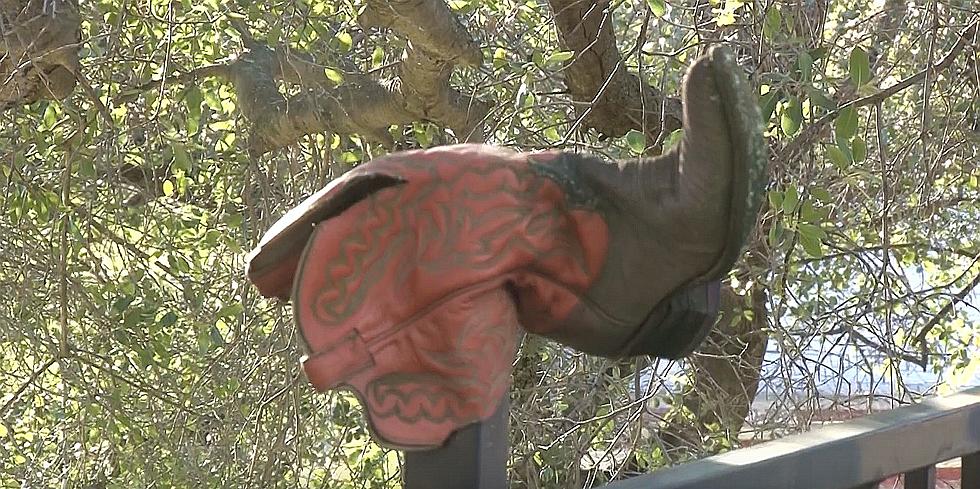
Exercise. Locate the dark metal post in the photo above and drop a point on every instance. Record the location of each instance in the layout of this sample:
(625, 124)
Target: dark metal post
(475, 457)
(924, 478)
(970, 470)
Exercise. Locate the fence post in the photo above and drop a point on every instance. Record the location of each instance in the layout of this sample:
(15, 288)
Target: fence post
(924, 478)
(474, 457)
(970, 471)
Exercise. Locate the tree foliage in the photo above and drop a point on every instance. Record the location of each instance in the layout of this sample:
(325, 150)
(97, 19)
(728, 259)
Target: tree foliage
(133, 352)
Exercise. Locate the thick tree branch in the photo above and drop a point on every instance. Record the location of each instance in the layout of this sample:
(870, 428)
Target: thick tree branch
(38, 51)
(727, 369)
(428, 24)
(428, 94)
(38, 60)
(609, 98)
(437, 41)
(361, 104)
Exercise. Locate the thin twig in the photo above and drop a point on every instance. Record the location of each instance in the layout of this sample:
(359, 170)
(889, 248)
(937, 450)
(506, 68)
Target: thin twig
(20, 390)
(803, 139)
(957, 298)
(217, 69)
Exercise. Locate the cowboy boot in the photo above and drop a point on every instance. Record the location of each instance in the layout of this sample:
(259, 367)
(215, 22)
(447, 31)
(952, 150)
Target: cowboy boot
(410, 275)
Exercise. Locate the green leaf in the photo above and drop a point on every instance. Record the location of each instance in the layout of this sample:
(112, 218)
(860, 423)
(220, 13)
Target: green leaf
(636, 140)
(181, 183)
(344, 40)
(775, 199)
(809, 213)
(551, 133)
(820, 194)
(767, 104)
(168, 188)
(86, 168)
(193, 101)
(774, 18)
(234, 220)
(790, 199)
(820, 99)
(216, 336)
(859, 149)
(814, 230)
(845, 127)
(230, 310)
(349, 157)
(499, 58)
(50, 116)
(333, 75)
(168, 319)
(838, 157)
(274, 34)
(422, 135)
(860, 66)
(792, 116)
(806, 66)
(810, 240)
(182, 160)
(537, 58)
(775, 233)
(673, 139)
(122, 303)
(203, 339)
(658, 7)
(559, 57)
(377, 56)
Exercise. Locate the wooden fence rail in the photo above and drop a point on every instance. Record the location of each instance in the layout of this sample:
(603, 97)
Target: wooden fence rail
(856, 454)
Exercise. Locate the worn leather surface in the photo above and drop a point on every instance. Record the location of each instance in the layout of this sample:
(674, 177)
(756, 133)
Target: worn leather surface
(678, 222)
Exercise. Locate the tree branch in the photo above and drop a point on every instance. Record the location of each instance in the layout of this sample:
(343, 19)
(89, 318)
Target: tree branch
(428, 94)
(38, 53)
(727, 368)
(428, 24)
(959, 297)
(361, 104)
(609, 98)
(813, 132)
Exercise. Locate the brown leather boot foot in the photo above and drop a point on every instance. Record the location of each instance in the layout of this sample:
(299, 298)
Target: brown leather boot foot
(677, 222)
